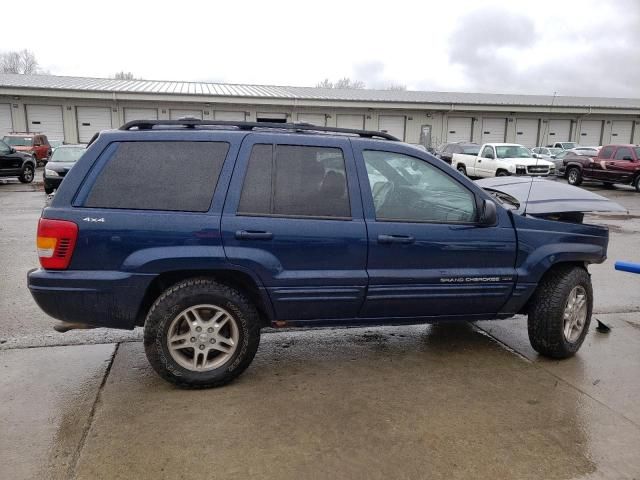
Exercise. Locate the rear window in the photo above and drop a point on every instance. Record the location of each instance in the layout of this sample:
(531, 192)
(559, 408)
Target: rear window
(18, 141)
(471, 149)
(177, 176)
(295, 181)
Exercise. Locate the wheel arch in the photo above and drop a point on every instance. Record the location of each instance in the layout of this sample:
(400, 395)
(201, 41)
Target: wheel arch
(236, 278)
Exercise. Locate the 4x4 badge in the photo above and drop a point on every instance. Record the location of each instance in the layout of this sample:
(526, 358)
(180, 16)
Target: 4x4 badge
(93, 219)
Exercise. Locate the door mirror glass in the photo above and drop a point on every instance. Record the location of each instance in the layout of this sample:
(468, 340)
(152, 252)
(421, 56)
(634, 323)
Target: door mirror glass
(489, 215)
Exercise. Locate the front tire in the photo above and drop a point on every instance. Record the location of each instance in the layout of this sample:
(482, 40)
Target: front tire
(27, 175)
(201, 334)
(560, 312)
(574, 176)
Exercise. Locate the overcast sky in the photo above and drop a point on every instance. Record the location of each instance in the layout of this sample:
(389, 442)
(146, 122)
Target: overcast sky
(579, 47)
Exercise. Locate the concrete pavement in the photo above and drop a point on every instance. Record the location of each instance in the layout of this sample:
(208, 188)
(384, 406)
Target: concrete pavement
(443, 401)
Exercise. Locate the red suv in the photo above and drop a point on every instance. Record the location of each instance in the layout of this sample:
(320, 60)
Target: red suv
(613, 164)
(35, 144)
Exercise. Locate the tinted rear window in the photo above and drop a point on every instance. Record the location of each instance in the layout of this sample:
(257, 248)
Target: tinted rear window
(295, 181)
(177, 176)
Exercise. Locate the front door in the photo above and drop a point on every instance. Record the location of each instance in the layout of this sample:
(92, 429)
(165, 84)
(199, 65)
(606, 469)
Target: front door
(293, 215)
(428, 256)
(486, 162)
(623, 166)
(9, 162)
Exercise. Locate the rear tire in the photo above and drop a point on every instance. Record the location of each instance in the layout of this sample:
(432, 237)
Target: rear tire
(574, 176)
(560, 312)
(462, 169)
(213, 329)
(636, 183)
(27, 175)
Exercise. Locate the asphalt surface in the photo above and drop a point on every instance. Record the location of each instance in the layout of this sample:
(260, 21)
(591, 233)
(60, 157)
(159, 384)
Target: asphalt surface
(440, 401)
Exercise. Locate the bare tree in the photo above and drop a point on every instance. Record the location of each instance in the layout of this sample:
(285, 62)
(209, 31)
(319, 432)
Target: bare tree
(23, 62)
(350, 84)
(122, 75)
(326, 83)
(342, 83)
(396, 87)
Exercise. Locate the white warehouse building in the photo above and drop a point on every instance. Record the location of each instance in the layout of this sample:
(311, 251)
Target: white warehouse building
(72, 109)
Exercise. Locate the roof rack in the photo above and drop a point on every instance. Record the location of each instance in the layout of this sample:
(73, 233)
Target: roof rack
(294, 127)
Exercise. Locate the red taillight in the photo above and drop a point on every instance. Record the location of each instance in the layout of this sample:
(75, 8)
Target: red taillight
(56, 241)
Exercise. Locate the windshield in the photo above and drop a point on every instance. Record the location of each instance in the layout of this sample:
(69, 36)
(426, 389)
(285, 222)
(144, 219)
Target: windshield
(66, 154)
(512, 151)
(555, 151)
(471, 150)
(18, 141)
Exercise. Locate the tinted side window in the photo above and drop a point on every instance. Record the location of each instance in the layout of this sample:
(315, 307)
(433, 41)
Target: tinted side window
(295, 181)
(408, 189)
(177, 176)
(623, 152)
(606, 152)
(4, 148)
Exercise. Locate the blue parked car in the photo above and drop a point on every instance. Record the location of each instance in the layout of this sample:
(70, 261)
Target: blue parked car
(205, 232)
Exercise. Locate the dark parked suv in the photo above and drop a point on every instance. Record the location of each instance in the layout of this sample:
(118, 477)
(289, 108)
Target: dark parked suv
(295, 225)
(16, 164)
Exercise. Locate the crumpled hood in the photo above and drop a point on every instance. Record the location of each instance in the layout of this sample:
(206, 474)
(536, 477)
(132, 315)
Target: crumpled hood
(538, 196)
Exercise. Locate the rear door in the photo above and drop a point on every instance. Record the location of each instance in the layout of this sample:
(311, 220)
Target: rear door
(293, 215)
(427, 255)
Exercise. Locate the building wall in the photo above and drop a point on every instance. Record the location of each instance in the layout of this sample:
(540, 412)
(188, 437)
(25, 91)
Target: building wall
(416, 116)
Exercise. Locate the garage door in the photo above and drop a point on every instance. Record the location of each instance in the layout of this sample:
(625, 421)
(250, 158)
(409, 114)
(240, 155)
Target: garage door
(229, 116)
(458, 129)
(493, 130)
(176, 114)
(590, 132)
(6, 125)
(392, 124)
(350, 121)
(527, 132)
(559, 130)
(621, 131)
(140, 114)
(92, 120)
(46, 119)
(318, 119)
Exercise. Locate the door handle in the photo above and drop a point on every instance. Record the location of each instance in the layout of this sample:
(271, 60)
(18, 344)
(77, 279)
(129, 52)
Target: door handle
(404, 239)
(253, 235)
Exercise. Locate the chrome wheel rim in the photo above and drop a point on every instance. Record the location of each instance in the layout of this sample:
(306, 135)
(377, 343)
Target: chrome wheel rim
(573, 176)
(575, 314)
(202, 337)
(28, 174)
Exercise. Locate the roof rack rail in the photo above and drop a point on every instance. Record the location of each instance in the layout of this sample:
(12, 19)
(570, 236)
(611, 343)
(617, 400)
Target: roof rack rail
(295, 127)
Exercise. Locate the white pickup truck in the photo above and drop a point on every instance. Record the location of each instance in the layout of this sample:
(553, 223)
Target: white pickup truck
(501, 159)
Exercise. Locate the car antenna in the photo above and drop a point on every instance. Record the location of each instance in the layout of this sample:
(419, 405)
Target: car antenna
(526, 203)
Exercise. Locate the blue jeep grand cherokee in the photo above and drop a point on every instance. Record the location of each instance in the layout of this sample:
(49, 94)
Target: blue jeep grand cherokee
(205, 232)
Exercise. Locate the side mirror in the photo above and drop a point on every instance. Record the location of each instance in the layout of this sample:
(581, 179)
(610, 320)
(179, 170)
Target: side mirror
(489, 214)
(535, 155)
(553, 157)
(12, 150)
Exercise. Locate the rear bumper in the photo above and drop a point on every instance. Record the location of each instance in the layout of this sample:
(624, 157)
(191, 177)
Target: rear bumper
(100, 298)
